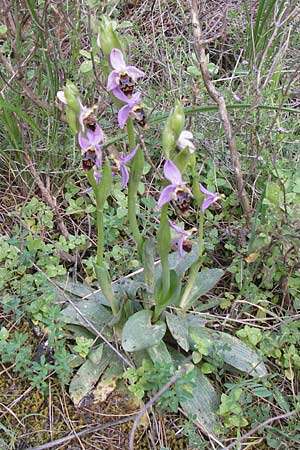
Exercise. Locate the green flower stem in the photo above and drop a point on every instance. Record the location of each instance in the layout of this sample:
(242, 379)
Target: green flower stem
(131, 134)
(101, 271)
(201, 234)
(164, 244)
(99, 218)
(137, 167)
(199, 197)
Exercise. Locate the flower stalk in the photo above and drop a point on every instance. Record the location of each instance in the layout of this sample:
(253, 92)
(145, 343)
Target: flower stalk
(164, 246)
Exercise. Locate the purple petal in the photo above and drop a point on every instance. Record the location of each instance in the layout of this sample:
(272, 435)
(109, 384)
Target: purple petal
(111, 80)
(86, 191)
(166, 195)
(120, 95)
(92, 138)
(95, 137)
(134, 73)
(97, 177)
(117, 59)
(135, 99)
(83, 142)
(180, 246)
(205, 191)
(99, 156)
(172, 173)
(207, 202)
(126, 159)
(123, 115)
(178, 229)
(125, 176)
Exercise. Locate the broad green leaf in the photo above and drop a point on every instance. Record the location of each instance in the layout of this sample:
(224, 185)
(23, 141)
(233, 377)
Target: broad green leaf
(138, 332)
(181, 265)
(235, 352)
(80, 290)
(273, 194)
(148, 251)
(160, 354)
(179, 328)
(86, 66)
(205, 281)
(87, 376)
(91, 310)
(172, 296)
(85, 387)
(204, 403)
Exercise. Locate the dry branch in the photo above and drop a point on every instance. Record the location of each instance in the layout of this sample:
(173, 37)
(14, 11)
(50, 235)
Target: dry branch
(199, 45)
(47, 196)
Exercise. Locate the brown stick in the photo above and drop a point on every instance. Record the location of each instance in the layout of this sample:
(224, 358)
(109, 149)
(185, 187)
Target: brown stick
(47, 196)
(27, 90)
(199, 45)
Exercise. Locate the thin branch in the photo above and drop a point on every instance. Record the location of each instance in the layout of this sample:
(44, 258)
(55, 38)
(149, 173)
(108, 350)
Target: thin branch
(258, 427)
(47, 196)
(27, 90)
(61, 441)
(199, 45)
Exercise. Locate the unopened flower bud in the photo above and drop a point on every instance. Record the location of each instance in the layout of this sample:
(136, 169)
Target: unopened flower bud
(177, 119)
(173, 128)
(107, 37)
(72, 97)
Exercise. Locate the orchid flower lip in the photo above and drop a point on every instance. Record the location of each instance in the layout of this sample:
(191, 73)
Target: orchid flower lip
(121, 69)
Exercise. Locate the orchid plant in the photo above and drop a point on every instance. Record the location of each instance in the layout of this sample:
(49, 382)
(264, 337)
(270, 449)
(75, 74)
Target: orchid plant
(141, 317)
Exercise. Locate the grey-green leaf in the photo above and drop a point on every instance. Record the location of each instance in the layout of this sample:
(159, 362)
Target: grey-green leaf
(138, 332)
(179, 328)
(79, 290)
(87, 376)
(203, 404)
(205, 401)
(205, 281)
(160, 354)
(235, 352)
(101, 362)
(89, 312)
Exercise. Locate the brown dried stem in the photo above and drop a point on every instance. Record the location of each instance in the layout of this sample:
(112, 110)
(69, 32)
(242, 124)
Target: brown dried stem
(26, 89)
(199, 45)
(47, 196)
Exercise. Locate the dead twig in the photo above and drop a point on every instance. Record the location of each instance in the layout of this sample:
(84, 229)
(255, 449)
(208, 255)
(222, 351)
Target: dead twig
(199, 45)
(27, 90)
(59, 442)
(47, 196)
